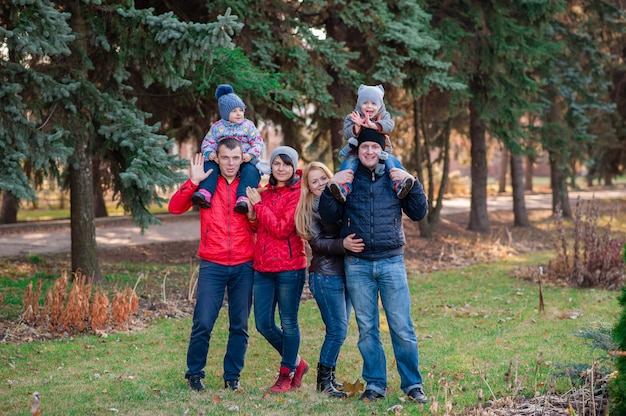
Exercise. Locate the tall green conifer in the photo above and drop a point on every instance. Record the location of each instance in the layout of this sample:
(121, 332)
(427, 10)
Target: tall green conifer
(66, 97)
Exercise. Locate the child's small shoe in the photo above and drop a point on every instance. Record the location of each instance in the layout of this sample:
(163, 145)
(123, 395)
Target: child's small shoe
(382, 158)
(349, 148)
(338, 191)
(404, 187)
(201, 198)
(241, 206)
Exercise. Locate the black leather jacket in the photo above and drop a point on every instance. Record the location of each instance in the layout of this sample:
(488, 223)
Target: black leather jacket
(327, 247)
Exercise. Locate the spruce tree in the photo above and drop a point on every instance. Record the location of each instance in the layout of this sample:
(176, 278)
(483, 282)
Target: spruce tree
(66, 97)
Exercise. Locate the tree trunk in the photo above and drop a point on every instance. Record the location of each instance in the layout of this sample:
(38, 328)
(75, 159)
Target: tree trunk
(83, 233)
(426, 227)
(504, 166)
(84, 248)
(337, 30)
(528, 173)
(479, 218)
(336, 140)
(560, 197)
(434, 213)
(8, 212)
(99, 207)
(517, 183)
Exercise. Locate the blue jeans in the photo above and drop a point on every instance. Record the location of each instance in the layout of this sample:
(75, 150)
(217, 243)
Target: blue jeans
(353, 162)
(332, 299)
(248, 173)
(213, 278)
(283, 289)
(366, 280)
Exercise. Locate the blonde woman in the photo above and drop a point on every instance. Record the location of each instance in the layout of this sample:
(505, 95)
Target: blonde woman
(327, 279)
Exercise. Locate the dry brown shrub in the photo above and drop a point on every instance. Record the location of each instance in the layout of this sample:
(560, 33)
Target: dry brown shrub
(75, 311)
(57, 306)
(28, 314)
(44, 316)
(77, 307)
(99, 314)
(594, 259)
(124, 304)
(30, 301)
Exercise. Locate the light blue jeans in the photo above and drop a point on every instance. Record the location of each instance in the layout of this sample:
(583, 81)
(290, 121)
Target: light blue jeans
(366, 280)
(334, 304)
(282, 289)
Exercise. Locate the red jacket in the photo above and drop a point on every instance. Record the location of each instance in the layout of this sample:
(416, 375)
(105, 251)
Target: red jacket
(279, 247)
(226, 238)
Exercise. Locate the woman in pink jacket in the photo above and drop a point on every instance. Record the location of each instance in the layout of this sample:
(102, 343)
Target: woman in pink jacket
(279, 266)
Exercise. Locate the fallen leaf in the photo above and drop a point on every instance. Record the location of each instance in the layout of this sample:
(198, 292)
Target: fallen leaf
(352, 389)
(395, 409)
(570, 315)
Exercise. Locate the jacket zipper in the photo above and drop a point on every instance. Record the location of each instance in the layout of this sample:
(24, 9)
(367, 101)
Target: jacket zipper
(229, 223)
(372, 208)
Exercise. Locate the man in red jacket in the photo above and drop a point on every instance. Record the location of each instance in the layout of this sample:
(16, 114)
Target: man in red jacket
(227, 250)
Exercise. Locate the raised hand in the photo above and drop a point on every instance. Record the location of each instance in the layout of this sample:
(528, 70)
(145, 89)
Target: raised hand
(356, 118)
(344, 176)
(196, 169)
(397, 174)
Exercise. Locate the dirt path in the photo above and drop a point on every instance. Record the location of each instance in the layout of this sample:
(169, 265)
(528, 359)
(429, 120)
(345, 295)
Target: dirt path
(52, 237)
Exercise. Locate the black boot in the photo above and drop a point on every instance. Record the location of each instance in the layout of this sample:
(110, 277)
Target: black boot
(337, 385)
(324, 383)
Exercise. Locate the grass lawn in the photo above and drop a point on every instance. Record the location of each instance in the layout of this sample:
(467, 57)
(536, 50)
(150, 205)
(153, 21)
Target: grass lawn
(475, 325)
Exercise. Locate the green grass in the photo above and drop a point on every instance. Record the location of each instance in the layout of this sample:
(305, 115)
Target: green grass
(473, 325)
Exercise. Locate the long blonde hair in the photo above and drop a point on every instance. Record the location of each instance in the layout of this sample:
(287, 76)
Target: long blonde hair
(304, 210)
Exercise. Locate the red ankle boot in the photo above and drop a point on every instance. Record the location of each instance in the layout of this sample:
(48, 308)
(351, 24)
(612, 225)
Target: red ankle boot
(284, 382)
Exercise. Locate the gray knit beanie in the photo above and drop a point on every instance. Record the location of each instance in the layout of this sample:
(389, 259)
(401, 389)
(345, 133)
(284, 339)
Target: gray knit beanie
(227, 100)
(290, 152)
(370, 93)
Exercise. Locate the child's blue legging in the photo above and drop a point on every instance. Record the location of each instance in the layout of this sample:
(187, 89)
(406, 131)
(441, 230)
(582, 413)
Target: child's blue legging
(248, 173)
(352, 163)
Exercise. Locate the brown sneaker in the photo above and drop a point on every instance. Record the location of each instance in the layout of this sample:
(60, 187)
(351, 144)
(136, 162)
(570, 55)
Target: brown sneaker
(405, 186)
(283, 383)
(337, 190)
